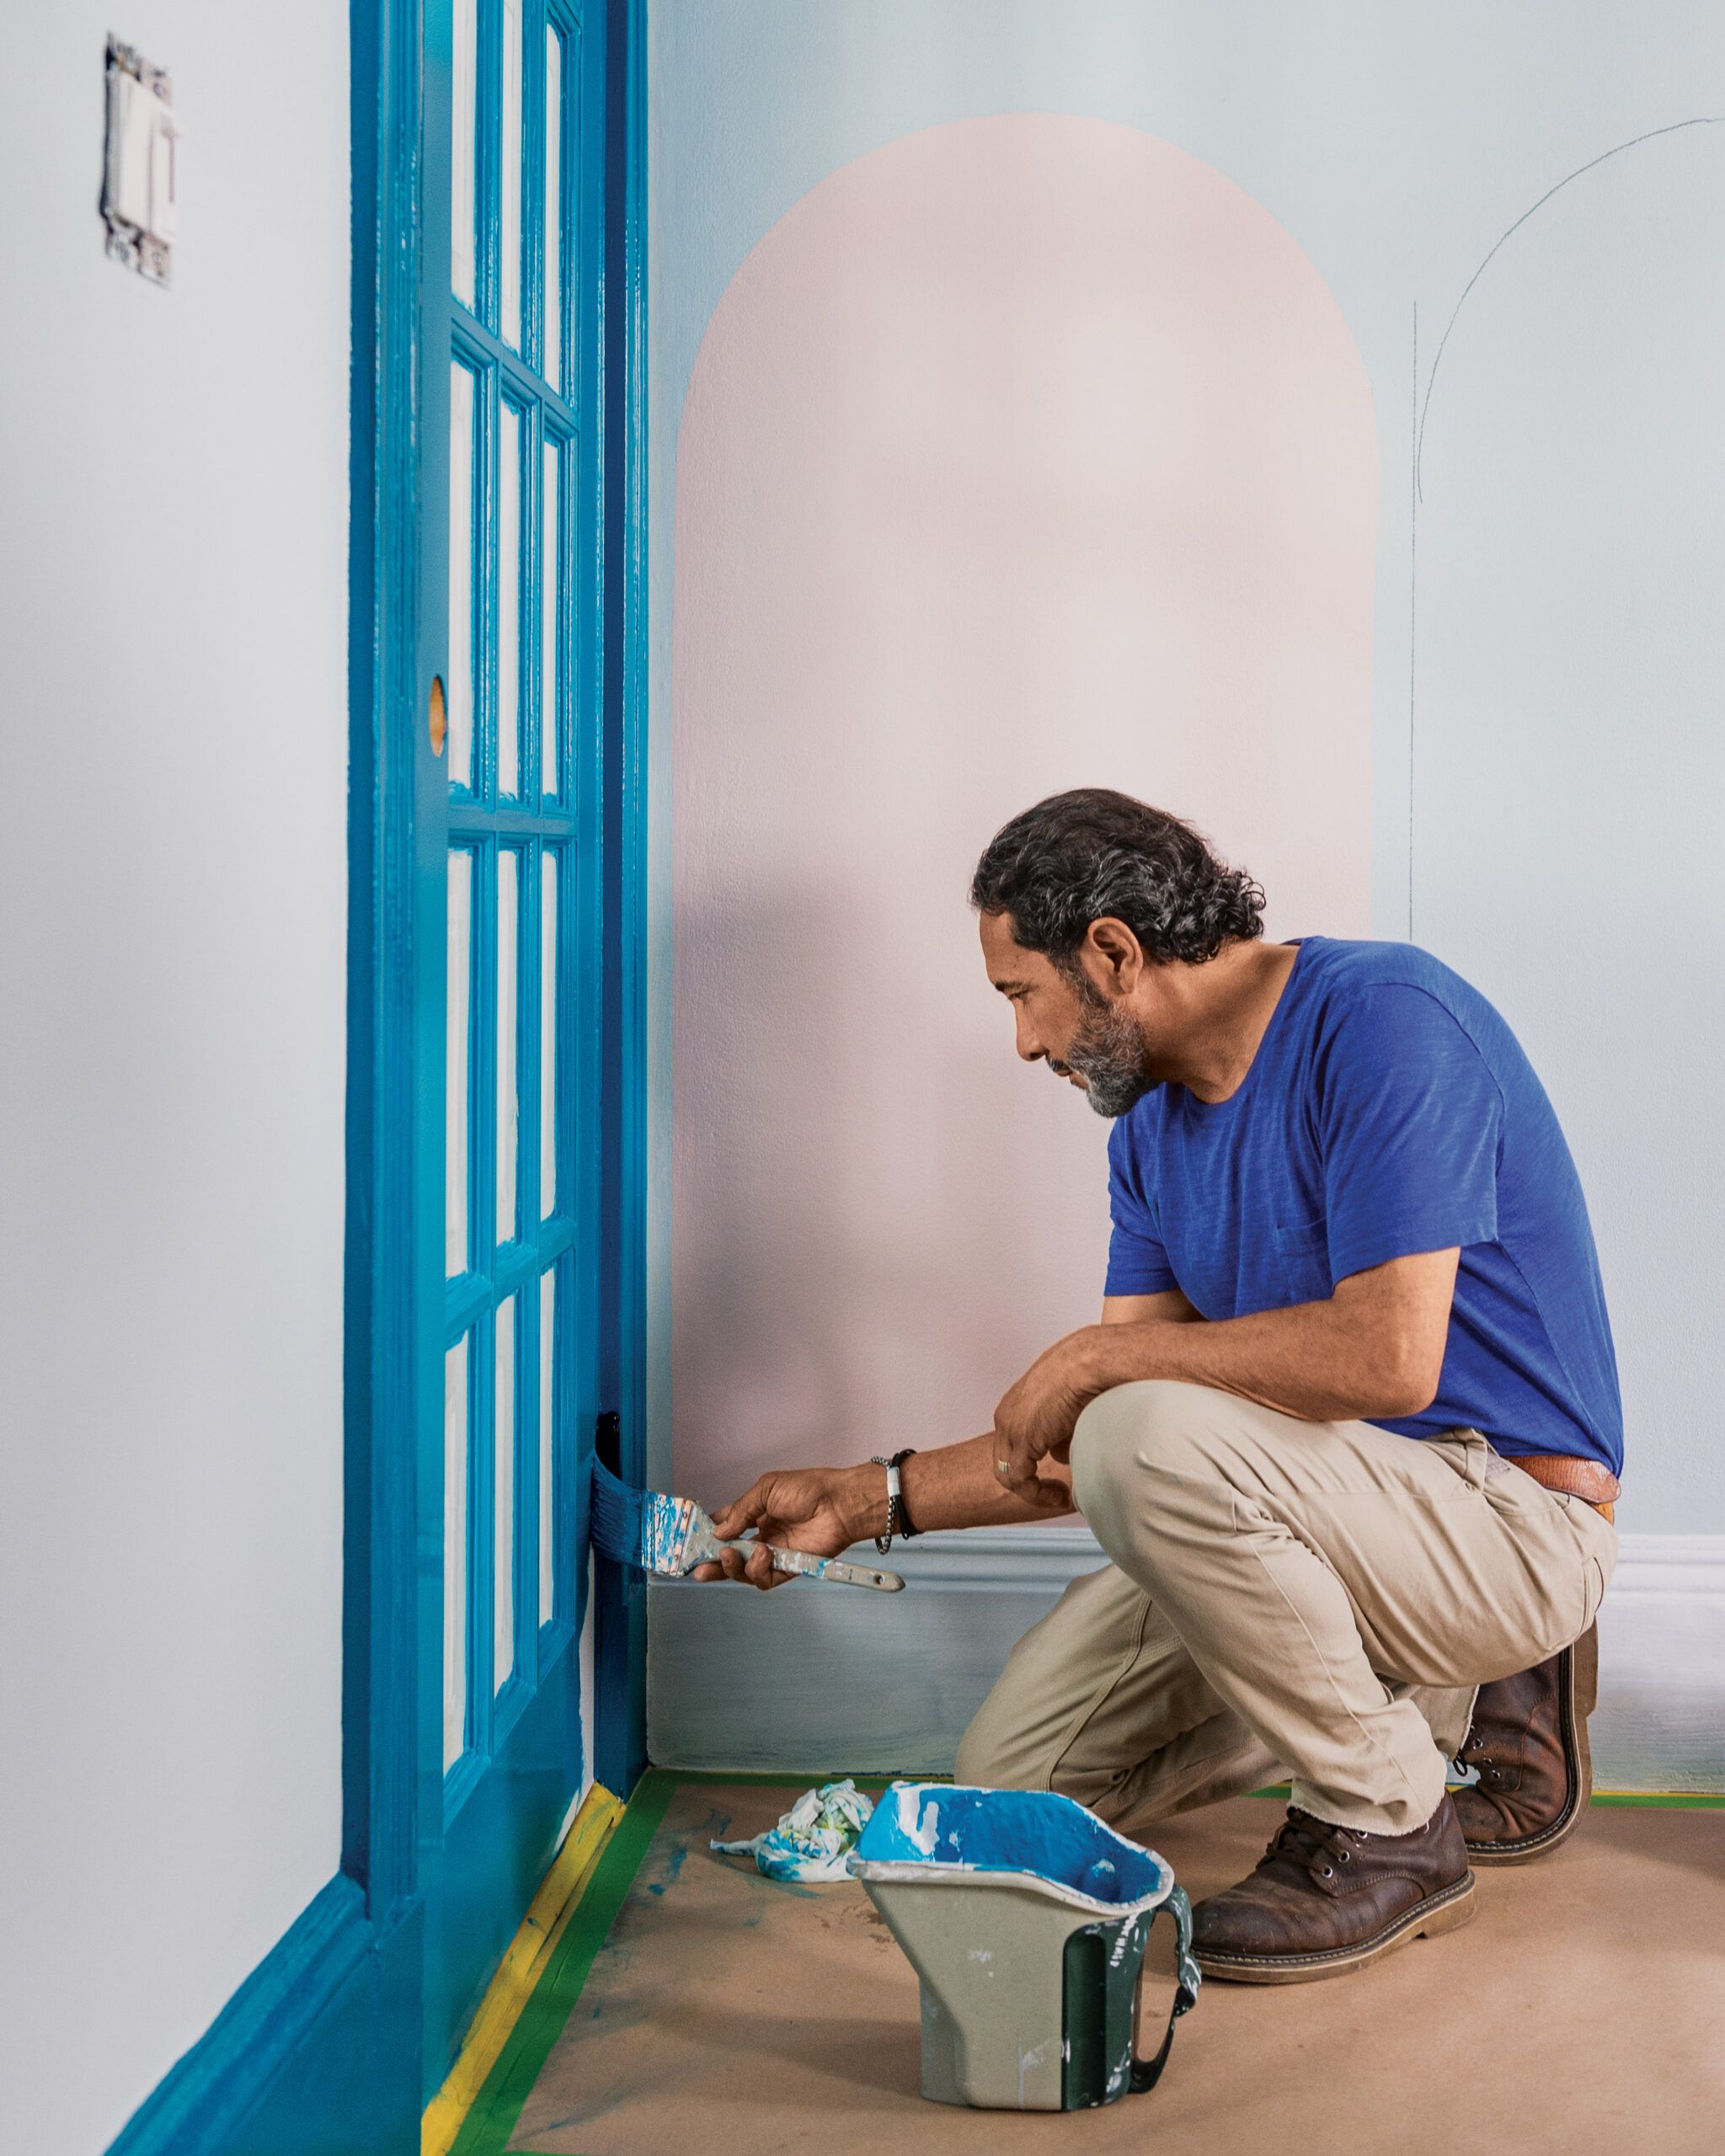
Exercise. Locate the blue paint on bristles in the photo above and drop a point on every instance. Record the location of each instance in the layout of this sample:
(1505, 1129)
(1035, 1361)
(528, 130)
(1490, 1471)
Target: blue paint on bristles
(667, 1535)
(671, 1536)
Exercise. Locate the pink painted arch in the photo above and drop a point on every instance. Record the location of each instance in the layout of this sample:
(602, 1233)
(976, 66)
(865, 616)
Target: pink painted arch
(1022, 453)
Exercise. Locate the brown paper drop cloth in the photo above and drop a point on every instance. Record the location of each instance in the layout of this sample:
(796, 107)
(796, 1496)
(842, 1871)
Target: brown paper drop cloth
(1582, 2014)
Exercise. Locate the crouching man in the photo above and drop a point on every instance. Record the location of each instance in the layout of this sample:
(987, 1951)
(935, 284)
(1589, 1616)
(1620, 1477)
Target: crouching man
(1348, 1432)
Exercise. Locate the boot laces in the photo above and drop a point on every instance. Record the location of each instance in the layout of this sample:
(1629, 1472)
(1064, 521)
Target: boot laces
(1318, 1844)
(1479, 1750)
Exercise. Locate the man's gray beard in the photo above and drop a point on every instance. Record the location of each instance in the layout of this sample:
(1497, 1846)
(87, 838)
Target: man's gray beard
(1107, 1052)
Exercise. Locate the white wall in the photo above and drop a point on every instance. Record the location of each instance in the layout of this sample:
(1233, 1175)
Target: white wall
(172, 608)
(1570, 752)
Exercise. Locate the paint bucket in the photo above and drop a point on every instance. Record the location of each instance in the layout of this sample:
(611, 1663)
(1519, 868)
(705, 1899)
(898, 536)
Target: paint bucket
(1025, 1920)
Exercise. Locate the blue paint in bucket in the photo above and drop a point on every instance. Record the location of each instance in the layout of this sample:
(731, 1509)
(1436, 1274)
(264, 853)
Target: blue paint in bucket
(1034, 1830)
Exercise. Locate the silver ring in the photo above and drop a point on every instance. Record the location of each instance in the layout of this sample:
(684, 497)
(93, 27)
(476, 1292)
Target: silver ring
(1003, 1467)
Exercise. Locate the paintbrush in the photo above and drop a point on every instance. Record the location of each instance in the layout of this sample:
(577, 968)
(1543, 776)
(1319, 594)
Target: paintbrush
(671, 1536)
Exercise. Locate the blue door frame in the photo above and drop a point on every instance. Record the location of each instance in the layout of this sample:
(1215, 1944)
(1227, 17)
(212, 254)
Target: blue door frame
(512, 1383)
(323, 2047)
(486, 1829)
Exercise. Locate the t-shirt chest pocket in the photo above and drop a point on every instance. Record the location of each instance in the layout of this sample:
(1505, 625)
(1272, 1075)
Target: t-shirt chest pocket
(1300, 1263)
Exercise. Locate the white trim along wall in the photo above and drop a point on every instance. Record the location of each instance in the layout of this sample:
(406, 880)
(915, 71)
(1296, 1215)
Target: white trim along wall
(824, 1680)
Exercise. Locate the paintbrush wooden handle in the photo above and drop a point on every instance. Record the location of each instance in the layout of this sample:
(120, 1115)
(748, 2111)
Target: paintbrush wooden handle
(833, 1568)
(826, 1568)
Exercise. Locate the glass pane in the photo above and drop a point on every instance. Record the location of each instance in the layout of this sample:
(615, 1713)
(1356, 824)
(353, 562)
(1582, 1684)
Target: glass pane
(455, 1553)
(503, 1591)
(509, 600)
(509, 218)
(458, 1022)
(509, 905)
(547, 1423)
(460, 576)
(550, 642)
(463, 129)
(553, 209)
(548, 1033)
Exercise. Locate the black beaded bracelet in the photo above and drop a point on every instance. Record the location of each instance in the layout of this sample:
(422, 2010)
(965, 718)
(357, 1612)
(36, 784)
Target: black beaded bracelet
(898, 1520)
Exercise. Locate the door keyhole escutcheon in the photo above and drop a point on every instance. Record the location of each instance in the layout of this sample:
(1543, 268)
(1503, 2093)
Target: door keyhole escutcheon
(439, 717)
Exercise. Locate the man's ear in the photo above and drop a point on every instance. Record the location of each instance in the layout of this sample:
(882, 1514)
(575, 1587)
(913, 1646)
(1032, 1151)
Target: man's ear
(1111, 956)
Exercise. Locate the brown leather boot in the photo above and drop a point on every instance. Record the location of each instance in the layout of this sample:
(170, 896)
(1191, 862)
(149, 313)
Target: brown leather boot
(1325, 1899)
(1528, 1741)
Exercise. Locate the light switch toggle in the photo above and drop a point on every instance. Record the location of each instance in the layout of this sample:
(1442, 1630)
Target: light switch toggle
(141, 179)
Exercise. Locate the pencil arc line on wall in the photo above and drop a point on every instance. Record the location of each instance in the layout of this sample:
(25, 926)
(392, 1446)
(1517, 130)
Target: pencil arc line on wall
(1652, 134)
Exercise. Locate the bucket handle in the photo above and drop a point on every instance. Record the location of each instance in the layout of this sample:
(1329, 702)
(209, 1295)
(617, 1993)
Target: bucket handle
(1147, 2071)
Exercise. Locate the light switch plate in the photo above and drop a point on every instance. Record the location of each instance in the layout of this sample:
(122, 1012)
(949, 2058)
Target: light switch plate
(141, 173)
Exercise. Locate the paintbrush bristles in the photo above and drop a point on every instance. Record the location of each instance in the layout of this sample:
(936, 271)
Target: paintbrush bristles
(615, 1516)
(671, 1536)
(666, 1536)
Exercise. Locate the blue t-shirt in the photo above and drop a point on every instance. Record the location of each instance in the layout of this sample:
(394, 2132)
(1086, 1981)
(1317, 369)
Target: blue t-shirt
(1388, 1110)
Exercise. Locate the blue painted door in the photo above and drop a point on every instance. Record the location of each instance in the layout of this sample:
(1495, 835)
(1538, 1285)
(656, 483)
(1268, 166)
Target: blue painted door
(508, 843)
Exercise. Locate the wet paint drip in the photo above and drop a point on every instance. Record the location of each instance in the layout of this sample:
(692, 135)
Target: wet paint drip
(1029, 2060)
(919, 1817)
(813, 1840)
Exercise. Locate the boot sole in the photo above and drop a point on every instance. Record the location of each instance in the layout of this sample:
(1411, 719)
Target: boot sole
(1446, 1912)
(1579, 1691)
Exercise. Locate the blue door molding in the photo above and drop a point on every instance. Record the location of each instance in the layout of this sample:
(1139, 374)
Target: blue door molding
(320, 2049)
(380, 1640)
(620, 1622)
(519, 455)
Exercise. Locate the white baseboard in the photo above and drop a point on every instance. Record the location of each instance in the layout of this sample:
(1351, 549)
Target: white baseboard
(817, 1680)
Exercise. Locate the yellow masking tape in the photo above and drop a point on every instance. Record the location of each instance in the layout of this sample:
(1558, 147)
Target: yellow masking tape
(518, 1970)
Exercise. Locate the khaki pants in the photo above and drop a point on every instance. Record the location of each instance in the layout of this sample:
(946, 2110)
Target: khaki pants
(1318, 1598)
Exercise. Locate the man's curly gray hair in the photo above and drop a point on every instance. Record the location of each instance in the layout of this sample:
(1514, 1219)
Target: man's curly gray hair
(1093, 854)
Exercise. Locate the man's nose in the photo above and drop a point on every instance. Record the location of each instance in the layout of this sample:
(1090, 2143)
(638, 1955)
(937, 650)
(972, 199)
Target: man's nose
(1029, 1047)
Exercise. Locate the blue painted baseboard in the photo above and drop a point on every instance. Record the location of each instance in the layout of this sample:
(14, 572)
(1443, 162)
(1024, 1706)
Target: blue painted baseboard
(316, 2054)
